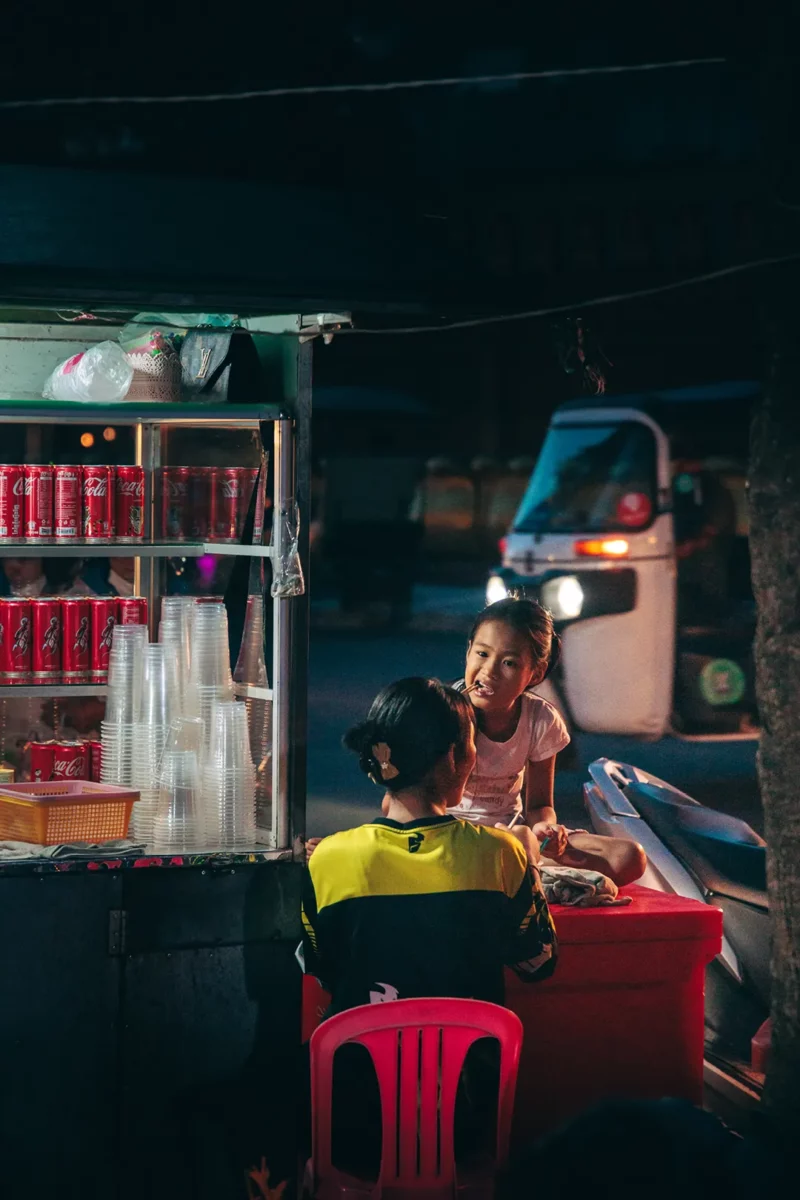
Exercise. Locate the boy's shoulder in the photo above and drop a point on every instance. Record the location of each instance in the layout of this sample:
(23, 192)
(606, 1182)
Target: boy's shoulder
(491, 841)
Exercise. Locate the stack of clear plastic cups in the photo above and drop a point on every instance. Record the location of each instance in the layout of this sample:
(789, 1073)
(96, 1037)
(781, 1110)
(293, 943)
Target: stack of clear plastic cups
(229, 808)
(251, 668)
(159, 704)
(174, 630)
(178, 825)
(210, 678)
(123, 703)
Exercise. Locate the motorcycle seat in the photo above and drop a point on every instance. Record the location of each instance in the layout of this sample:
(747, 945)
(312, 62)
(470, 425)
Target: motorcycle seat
(725, 855)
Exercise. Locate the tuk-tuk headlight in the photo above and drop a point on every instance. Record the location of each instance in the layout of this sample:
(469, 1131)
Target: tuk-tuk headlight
(564, 597)
(495, 589)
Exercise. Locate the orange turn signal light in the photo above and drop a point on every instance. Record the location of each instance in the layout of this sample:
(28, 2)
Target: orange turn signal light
(603, 548)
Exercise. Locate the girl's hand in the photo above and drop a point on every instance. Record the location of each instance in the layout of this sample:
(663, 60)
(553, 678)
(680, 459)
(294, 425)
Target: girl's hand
(311, 845)
(556, 836)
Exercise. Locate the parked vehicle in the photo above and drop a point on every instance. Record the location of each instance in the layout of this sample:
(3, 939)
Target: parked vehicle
(705, 855)
(633, 532)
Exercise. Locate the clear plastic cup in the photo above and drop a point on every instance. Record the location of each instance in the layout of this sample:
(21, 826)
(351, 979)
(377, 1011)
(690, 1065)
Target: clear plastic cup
(178, 825)
(159, 690)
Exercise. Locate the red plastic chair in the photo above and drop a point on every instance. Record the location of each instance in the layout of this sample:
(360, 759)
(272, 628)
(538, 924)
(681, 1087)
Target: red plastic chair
(418, 1049)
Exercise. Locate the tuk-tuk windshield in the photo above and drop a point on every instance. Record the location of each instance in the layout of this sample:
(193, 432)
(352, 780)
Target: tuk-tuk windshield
(592, 479)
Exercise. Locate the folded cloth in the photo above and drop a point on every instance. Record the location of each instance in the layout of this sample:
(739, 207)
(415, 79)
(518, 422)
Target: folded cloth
(19, 851)
(576, 888)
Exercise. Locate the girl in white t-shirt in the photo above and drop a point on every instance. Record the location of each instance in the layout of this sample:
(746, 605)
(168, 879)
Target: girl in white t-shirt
(512, 648)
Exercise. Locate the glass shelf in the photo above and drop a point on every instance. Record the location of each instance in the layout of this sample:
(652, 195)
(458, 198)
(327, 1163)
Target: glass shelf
(80, 549)
(132, 412)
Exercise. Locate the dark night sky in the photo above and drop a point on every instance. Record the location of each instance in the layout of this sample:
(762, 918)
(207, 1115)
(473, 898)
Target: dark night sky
(480, 158)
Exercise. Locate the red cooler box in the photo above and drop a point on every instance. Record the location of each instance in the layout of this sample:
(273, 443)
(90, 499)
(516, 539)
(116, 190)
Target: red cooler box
(621, 1016)
(623, 1013)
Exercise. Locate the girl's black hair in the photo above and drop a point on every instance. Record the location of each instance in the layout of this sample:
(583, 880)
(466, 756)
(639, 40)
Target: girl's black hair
(529, 619)
(419, 720)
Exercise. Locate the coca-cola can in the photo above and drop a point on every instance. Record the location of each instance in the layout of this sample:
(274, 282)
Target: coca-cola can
(95, 752)
(200, 504)
(15, 640)
(67, 503)
(76, 615)
(176, 503)
(46, 639)
(98, 503)
(112, 501)
(129, 504)
(132, 610)
(38, 503)
(12, 502)
(249, 477)
(103, 610)
(42, 759)
(70, 760)
(227, 485)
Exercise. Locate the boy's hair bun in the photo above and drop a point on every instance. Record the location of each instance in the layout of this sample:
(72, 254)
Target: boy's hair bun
(419, 720)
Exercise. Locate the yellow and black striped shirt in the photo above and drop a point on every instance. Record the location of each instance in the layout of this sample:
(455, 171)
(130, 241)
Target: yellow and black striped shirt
(434, 907)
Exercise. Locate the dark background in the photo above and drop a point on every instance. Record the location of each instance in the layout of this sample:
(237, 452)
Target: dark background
(513, 195)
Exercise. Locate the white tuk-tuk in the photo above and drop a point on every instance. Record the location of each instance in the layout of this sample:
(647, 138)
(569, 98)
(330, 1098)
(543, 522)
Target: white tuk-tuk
(633, 532)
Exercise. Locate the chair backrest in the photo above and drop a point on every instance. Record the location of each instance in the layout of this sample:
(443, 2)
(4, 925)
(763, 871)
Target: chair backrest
(418, 1048)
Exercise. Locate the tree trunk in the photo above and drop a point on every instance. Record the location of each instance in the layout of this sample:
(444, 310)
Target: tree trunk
(775, 550)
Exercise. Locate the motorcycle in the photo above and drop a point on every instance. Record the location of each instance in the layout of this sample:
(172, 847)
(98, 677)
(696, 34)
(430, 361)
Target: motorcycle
(704, 855)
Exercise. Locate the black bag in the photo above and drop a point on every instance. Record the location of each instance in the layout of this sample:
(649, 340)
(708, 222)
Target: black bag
(221, 365)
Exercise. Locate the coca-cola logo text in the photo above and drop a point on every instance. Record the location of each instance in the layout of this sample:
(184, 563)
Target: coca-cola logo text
(51, 635)
(82, 635)
(230, 489)
(130, 487)
(66, 768)
(107, 634)
(177, 489)
(19, 487)
(95, 487)
(22, 637)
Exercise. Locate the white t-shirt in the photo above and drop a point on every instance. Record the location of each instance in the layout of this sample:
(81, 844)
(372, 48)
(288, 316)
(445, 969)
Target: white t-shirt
(494, 789)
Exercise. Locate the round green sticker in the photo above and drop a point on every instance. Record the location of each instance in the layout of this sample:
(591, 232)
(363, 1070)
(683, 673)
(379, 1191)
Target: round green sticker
(684, 484)
(722, 682)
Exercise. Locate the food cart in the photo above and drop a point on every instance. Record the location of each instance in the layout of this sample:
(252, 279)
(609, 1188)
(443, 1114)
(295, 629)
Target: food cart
(150, 1003)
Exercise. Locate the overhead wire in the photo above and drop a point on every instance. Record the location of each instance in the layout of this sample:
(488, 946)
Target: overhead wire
(333, 89)
(470, 322)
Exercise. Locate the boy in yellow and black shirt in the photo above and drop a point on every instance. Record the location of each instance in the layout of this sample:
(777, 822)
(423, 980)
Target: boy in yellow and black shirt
(431, 907)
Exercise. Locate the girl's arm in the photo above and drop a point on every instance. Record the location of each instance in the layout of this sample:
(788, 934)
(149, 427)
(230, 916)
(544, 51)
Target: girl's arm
(540, 815)
(538, 797)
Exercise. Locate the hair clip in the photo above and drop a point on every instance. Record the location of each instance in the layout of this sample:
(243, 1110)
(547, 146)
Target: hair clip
(383, 755)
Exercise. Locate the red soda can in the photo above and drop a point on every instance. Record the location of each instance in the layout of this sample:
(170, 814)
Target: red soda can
(76, 615)
(38, 503)
(67, 503)
(97, 503)
(129, 504)
(15, 640)
(131, 610)
(227, 485)
(70, 760)
(42, 759)
(95, 752)
(103, 610)
(46, 639)
(200, 504)
(249, 477)
(12, 502)
(112, 501)
(176, 503)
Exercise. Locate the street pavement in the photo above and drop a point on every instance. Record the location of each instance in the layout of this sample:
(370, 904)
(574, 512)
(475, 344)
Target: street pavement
(349, 666)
